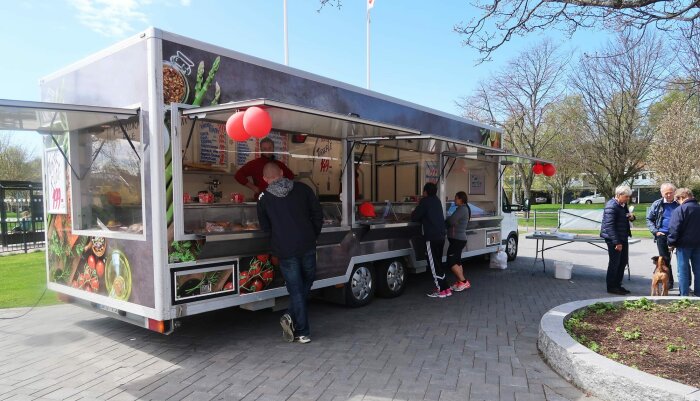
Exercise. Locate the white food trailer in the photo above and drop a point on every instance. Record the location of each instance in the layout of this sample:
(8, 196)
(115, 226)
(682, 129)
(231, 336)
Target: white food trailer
(147, 223)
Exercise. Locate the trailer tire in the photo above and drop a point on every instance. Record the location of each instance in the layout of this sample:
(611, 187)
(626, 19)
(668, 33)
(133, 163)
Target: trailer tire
(512, 247)
(391, 278)
(359, 290)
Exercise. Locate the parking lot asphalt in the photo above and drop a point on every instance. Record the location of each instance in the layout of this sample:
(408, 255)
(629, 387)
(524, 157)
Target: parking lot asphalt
(476, 345)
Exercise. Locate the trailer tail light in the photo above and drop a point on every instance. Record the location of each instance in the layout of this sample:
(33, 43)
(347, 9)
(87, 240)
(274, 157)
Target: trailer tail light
(156, 325)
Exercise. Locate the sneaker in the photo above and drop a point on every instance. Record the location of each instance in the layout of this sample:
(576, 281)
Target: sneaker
(287, 328)
(624, 290)
(441, 294)
(302, 339)
(460, 286)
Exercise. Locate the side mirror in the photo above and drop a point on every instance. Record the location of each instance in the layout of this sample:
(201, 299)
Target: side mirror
(512, 208)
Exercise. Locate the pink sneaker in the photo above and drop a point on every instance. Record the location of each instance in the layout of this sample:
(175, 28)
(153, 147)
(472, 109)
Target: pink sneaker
(460, 286)
(441, 294)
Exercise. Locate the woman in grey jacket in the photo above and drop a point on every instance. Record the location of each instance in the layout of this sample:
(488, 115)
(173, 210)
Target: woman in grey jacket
(457, 236)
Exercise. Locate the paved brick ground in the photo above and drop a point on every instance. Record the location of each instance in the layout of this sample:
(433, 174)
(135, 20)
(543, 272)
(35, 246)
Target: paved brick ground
(476, 345)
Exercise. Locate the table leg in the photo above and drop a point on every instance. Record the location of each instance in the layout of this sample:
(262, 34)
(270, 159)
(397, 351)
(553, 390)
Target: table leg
(544, 266)
(539, 252)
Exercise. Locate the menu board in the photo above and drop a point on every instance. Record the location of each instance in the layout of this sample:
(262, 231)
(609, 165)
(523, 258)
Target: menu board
(477, 182)
(55, 182)
(431, 172)
(213, 148)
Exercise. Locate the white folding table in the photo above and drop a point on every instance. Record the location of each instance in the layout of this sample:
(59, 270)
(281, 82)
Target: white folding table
(590, 239)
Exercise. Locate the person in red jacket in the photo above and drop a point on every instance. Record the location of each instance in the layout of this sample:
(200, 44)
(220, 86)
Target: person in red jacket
(254, 168)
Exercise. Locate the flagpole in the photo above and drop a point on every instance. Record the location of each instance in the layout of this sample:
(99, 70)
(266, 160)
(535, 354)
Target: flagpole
(286, 36)
(368, 75)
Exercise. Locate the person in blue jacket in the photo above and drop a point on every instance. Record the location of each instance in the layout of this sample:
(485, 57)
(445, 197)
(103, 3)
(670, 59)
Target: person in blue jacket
(684, 236)
(615, 229)
(658, 220)
(429, 213)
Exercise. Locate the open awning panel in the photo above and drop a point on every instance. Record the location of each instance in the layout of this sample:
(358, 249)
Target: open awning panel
(43, 117)
(291, 118)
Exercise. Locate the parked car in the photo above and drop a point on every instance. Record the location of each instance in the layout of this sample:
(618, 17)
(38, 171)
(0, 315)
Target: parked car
(540, 199)
(595, 198)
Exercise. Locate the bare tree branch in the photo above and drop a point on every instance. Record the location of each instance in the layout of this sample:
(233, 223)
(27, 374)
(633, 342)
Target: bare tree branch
(501, 19)
(518, 98)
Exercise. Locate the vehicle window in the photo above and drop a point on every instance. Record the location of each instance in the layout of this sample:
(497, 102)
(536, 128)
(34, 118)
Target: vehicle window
(107, 194)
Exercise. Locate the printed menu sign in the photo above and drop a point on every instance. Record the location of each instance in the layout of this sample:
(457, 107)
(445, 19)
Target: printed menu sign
(212, 144)
(55, 182)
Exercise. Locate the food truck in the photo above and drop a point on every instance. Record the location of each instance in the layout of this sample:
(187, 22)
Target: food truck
(147, 223)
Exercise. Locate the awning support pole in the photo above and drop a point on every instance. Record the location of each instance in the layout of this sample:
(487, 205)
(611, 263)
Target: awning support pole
(127, 138)
(189, 137)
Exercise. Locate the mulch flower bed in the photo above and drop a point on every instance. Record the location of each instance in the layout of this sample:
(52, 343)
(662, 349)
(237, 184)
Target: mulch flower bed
(660, 339)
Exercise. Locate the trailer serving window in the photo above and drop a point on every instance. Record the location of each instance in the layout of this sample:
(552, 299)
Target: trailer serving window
(310, 142)
(390, 174)
(93, 156)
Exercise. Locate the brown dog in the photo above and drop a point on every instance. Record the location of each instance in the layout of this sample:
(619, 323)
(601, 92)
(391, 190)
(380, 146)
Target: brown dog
(659, 281)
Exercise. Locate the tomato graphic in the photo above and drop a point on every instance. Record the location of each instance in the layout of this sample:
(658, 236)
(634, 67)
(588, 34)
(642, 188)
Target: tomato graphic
(100, 267)
(258, 284)
(268, 275)
(255, 267)
(228, 286)
(275, 261)
(242, 279)
(91, 261)
(263, 258)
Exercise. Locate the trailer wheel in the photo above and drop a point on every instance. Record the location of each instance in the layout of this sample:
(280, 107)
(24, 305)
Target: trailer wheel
(512, 247)
(391, 278)
(359, 291)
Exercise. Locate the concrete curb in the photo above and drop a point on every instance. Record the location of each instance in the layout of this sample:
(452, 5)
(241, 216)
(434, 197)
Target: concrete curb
(597, 374)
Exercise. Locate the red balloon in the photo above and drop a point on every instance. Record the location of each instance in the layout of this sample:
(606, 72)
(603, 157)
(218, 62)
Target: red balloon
(234, 127)
(549, 170)
(537, 168)
(257, 122)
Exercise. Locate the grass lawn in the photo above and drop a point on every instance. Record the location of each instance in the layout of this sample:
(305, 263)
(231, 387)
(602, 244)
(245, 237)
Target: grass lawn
(547, 217)
(23, 280)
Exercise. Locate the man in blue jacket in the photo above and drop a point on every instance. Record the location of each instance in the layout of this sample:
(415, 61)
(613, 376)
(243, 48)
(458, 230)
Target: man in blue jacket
(658, 220)
(684, 236)
(615, 228)
(429, 213)
(292, 214)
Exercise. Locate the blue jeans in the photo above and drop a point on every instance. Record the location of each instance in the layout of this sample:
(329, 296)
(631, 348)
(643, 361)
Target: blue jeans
(299, 273)
(688, 258)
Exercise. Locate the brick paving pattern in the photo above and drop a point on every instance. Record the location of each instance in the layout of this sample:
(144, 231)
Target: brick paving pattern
(476, 345)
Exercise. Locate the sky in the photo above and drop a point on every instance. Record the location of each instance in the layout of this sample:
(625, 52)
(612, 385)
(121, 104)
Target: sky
(415, 53)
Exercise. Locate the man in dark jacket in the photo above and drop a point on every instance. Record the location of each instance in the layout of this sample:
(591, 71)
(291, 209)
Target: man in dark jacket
(292, 214)
(254, 168)
(615, 228)
(684, 236)
(658, 219)
(429, 214)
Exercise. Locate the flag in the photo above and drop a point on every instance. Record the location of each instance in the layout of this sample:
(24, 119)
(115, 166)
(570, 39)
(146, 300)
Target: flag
(370, 4)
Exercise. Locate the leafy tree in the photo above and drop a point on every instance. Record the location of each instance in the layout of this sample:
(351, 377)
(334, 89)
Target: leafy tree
(616, 87)
(16, 163)
(565, 121)
(675, 152)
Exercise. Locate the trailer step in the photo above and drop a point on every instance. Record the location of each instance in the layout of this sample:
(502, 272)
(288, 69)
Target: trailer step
(257, 305)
